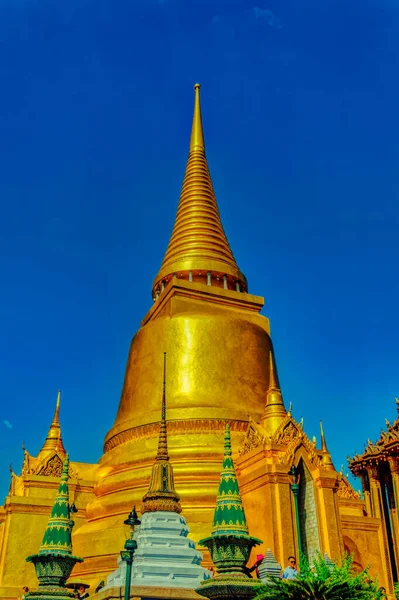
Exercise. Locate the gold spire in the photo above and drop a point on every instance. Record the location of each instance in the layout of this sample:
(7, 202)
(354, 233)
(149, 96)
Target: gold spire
(161, 495)
(274, 411)
(198, 249)
(162, 453)
(327, 460)
(197, 134)
(323, 439)
(54, 440)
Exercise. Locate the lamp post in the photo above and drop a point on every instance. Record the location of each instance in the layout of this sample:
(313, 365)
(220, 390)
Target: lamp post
(295, 476)
(129, 549)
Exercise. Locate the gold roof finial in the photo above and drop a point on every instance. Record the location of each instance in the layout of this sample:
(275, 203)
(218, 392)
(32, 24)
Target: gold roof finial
(323, 439)
(198, 245)
(161, 495)
(53, 440)
(327, 460)
(274, 411)
(162, 453)
(197, 134)
(56, 418)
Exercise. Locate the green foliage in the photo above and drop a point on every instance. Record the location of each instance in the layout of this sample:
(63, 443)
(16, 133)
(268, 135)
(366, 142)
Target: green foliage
(397, 591)
(321, 582)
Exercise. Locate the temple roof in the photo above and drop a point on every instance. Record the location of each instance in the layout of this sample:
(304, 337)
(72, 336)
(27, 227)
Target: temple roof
(327, 460)
(53, 440)
(275, 411)
(198, 244)
(386, 446)
(49, 461)
(161, 495)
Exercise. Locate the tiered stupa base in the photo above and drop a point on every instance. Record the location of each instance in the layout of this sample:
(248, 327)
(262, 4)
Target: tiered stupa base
(165, 556)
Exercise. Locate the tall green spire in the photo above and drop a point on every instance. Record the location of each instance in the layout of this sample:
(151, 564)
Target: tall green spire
(54, 561)
(230, 544)
(229, 518)
(57, 537)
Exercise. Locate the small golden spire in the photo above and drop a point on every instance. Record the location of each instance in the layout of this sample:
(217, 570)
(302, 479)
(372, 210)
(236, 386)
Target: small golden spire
(53, 440)
(162, 453)
(272, 379)
(198, 249)
(274, 411)
(327, 460)
(56, 418)
(197, 134)
(161, 495)
(323, 439)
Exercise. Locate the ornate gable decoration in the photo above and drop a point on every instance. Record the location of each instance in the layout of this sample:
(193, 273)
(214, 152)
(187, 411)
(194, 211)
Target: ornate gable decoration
(255, 437)
(346, 491)
(290, 432)
(53, 467)
(291, 435)
(50, 466)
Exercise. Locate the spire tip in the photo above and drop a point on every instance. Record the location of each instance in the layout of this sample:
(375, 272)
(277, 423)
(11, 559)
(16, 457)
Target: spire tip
(323, 439)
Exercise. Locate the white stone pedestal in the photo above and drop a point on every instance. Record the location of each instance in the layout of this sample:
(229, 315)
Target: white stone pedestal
(165, 556)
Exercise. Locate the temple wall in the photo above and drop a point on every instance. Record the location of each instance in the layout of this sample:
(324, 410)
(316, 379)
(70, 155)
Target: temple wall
(308, 520)
(267, 500)
(362, 537)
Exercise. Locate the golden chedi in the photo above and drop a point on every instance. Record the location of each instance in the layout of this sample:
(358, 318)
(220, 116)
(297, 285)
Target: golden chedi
(218, 348)
(221, 369)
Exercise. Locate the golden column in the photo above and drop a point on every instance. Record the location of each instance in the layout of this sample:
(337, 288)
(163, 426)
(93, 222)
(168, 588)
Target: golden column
(393, 462)
(373, 472)
(326, 481)
(365, 481)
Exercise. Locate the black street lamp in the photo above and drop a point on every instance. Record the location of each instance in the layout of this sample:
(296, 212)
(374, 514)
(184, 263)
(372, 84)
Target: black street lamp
(129, 549)
(295, 477)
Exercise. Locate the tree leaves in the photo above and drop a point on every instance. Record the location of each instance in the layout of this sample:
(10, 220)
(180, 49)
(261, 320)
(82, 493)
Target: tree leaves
(320, 581)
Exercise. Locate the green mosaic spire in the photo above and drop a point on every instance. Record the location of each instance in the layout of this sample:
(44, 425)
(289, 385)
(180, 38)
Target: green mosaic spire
(230, 544)
(229, 518)
(54, 561)
(57, 537)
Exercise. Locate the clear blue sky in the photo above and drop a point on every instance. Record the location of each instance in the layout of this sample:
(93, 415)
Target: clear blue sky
(300, 109)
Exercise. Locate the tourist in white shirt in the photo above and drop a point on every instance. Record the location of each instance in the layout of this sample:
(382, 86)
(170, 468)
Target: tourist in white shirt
(290, 571)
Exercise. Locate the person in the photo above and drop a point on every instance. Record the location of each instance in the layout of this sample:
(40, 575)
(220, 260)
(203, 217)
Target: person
(290, 571)
(259, 558)
(82, 593)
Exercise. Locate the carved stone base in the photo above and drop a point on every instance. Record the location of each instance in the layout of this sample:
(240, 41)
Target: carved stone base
(230, 553)
(52, 571)
(229, 588)
(49, 593)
